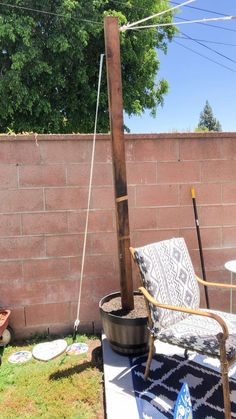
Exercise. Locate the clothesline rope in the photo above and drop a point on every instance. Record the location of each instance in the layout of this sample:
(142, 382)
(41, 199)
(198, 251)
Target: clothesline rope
(158, 25)
(130, 25)
(77, 321)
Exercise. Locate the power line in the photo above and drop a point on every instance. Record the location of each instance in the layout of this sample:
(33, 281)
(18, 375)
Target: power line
(46, 12)
(181, 18)
(202, 10)
(161, 25)
(128, 4)
(192, 7)
(162, 12)
(119, 3)
(204, 56)
(208, 24)
(211, 49)
(205, 40)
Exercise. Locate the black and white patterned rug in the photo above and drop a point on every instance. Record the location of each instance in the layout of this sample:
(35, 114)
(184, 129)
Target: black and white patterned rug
(157, 396)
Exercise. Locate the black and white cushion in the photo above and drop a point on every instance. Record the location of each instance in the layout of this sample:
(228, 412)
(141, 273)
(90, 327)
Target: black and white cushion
(199, 334)
(168, 275)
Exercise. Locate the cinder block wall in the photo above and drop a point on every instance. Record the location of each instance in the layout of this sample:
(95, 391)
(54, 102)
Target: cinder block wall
(43, 196)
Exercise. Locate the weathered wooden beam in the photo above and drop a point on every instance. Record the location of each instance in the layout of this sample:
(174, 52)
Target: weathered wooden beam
(114, 81)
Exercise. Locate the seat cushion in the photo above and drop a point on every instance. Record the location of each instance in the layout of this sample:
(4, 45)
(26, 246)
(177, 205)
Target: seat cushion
(199, 334)
(168, 275)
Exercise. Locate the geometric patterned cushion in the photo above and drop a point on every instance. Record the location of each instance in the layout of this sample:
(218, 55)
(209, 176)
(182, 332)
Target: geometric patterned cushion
(168, 275)
(199, 334)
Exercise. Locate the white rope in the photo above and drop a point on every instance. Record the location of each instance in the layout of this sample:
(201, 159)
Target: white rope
(77, 321)
(158, 25)
(130, 25)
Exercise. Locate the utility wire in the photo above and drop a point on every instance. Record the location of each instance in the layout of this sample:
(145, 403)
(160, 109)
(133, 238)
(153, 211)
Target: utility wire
(141, 8)
(202, 10)
(114, 1)
(192, 7)
(162, 12)
(177, 17)
(208, 24)
(160, 25)
(45, 12)
(211, 49)
(204, 56)
(208, 41)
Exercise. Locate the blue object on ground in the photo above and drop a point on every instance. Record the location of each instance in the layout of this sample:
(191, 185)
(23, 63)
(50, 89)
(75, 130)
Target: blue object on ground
(183, 406)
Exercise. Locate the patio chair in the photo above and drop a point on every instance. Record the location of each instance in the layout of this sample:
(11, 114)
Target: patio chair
(171, 291)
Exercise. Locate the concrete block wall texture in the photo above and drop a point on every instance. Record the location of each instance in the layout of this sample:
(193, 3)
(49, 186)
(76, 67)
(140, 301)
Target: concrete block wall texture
(43, 198)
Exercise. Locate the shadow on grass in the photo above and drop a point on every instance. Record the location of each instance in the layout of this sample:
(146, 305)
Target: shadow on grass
(96, 362)
(70, 371)
(1, 354)
(97, 359)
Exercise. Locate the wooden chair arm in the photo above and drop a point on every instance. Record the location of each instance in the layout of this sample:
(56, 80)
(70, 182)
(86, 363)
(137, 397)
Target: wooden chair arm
(187, 310)
(132, 250)
(215, 284)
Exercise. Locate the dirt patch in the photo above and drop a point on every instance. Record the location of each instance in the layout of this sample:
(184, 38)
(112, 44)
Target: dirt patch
(114, 307)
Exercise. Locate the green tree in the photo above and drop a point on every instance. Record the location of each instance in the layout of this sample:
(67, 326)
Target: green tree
(49, 62)
(207, 122)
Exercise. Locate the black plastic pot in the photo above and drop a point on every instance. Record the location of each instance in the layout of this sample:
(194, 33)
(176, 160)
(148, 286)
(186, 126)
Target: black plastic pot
(125, 336)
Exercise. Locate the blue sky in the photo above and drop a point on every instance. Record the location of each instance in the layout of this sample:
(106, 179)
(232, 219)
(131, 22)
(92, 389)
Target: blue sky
(193, 79)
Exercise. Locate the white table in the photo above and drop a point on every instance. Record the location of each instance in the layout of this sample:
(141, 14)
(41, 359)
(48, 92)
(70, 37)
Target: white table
(231, 266)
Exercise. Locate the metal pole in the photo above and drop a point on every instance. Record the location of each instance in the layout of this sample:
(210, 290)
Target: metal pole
(200, 244)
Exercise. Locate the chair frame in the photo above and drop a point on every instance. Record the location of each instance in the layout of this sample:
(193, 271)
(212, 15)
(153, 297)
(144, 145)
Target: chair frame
(222, 337)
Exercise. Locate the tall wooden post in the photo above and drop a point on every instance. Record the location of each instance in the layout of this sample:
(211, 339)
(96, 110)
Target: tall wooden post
(114, 81)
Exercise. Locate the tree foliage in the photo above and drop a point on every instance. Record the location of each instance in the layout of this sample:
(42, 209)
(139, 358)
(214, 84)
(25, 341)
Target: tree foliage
(207, 122)
(49, 62)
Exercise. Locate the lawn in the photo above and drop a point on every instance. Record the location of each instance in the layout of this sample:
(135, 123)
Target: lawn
(66, 387)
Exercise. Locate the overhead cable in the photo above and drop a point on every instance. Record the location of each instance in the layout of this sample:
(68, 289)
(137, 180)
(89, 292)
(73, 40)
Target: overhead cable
(204, 56)
(208, 24)
(46, 12)
(211, 49)
(131, 25)
(181, 18)
(202, 10)
(159, 25)
(173, 2)
(208, 41)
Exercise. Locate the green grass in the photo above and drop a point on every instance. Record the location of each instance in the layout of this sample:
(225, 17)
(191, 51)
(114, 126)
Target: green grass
(66, 387)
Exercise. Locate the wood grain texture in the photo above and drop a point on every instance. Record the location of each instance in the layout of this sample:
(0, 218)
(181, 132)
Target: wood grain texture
(112, 43)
